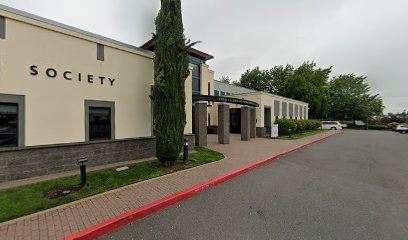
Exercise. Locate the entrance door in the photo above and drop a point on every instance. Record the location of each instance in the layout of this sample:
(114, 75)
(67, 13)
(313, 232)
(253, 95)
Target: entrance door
(235, 120)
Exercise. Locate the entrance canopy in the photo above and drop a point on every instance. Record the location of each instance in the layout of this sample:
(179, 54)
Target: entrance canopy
(207, 98)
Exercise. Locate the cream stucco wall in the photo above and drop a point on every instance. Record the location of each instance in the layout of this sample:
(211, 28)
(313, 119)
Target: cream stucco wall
(207, 80)
(188, 129)
(207, 76)
(55, 111)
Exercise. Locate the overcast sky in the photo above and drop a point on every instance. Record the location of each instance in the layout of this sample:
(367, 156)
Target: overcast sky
(366, 37)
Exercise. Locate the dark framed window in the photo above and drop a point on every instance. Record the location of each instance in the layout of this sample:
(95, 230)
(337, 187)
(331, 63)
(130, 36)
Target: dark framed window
(99, 120)
(2, 27)
(8, 124)
(99, 123)
(100, 52)
(216, 93)
(196, 73)
(12, 117)
(196, 78)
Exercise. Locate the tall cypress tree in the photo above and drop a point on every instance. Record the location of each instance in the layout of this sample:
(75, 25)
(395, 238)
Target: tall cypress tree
(170, 72)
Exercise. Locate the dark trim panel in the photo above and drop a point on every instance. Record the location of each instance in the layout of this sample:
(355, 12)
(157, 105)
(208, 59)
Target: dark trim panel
(2, 27)
(20, 101)
(276, 108)
(107, 104)
(100, 52)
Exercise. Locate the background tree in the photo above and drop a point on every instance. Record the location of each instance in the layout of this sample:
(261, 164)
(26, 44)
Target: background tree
(225, 79)
(271, 81)
(310, 85)
(256, 79)
(170, 72)
(350, 99)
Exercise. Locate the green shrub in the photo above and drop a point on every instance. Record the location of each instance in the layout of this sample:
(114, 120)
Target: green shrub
(309, 125)
(286, 124)
(379, 127)
(300, 126)
(316, 124)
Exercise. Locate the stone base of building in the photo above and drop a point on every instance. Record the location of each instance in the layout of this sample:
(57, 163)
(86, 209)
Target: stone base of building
(260, 132)
(27, 162)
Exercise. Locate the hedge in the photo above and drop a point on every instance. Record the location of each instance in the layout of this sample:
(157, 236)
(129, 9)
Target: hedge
(286, 124)
(296, 125)
(379, 127)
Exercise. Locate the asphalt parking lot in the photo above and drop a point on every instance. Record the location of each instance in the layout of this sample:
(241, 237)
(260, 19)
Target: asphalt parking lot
(351, 186)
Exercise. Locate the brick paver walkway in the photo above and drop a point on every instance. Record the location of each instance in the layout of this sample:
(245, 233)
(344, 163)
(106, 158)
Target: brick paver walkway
(66, 220)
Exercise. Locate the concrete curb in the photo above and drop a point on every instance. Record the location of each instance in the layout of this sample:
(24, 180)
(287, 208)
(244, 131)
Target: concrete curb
(131, 216)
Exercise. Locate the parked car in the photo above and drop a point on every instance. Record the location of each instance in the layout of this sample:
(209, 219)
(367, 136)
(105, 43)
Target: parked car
(331, 125)
(359, 124)
(393, 125)
(402, 129)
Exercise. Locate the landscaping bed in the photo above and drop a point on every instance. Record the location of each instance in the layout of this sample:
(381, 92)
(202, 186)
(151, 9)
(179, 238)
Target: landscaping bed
(26, 200)
(305, 134)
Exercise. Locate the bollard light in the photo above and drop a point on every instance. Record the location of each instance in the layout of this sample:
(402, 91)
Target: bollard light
(290, 132)
(82, 169)
(185, 152)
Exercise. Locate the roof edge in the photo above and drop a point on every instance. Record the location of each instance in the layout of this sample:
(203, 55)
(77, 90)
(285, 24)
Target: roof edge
(192, 50)
(70, 28)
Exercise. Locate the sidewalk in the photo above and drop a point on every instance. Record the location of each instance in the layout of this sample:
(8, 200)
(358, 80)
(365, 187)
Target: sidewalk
(66, 220)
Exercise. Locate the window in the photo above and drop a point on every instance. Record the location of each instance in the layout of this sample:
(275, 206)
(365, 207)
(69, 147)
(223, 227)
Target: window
(217, 93)
(291, 110)
(12, 109)
(99, 123)
(8, 125)
(284, 109)
(222, 93)
(276, 107)
(196, 78)
(2, 27)
(100, 120)
(100, 52)
(196, 73)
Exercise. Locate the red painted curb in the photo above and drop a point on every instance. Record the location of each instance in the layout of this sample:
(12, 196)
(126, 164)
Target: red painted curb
(126, 218)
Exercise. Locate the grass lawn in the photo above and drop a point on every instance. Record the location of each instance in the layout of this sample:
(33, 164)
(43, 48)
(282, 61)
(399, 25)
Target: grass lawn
(25, 200)
(305, 134)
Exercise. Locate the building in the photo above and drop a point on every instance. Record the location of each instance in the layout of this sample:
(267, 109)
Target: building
(66, 93)
(271, 107)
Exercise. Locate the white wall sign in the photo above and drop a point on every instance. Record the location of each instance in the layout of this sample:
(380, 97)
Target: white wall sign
(275, 131)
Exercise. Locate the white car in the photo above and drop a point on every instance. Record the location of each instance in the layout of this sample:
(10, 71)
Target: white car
(402, 129)
(331, 125)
